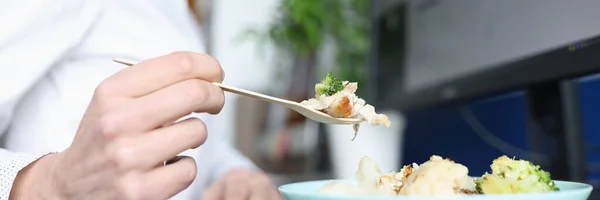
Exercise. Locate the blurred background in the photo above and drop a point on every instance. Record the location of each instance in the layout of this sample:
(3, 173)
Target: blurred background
(470, 80)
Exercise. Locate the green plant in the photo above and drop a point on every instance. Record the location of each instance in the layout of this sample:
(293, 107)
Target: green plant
(300, 27)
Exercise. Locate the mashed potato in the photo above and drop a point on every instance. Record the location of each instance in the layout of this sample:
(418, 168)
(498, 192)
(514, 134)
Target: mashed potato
(436, 177)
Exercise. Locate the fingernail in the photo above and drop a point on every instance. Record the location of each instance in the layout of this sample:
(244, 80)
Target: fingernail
(222, 74)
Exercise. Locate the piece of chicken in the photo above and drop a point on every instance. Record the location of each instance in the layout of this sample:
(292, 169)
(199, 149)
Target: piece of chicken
(438, 177)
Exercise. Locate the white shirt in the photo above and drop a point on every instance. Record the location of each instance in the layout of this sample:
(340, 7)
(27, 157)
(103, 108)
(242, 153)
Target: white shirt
(53, 54)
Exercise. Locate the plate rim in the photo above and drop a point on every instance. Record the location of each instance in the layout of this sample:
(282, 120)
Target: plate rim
(587, 188)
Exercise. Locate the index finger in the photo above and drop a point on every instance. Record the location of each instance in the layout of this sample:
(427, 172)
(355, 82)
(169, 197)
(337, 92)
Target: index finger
(160, 72)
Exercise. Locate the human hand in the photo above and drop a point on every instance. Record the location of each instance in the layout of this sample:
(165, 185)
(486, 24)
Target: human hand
(127, 133)
(241, 184)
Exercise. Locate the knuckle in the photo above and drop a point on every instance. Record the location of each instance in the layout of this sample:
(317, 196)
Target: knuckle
(109, 125)
(105, 89)
(129, 188)
(121, 155)
(183, 62)
(196, 90)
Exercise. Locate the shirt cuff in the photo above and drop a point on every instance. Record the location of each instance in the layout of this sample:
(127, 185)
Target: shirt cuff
(10, 164)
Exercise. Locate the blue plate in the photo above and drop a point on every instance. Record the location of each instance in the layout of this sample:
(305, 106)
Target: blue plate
(308, 191)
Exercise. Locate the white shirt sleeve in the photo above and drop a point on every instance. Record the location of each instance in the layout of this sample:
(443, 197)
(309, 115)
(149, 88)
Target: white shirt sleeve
(50, 30)
(47, 29)
(26, 26)
(10, 165)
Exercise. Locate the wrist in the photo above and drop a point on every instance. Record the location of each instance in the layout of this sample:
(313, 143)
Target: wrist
(37, 180)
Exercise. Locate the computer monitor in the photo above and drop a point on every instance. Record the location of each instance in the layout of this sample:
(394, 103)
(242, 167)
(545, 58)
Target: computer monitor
(434, 51)
(430, 53)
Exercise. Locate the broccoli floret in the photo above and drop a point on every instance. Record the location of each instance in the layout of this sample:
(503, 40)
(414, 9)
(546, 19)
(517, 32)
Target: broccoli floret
(329, 85)
(478, 182)
(514, 176)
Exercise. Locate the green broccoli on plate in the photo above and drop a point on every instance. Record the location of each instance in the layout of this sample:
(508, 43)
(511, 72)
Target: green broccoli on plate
(514, 176)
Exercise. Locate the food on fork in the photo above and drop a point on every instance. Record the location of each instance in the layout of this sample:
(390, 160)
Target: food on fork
(337, 98)
(444, 177)
(515, 176)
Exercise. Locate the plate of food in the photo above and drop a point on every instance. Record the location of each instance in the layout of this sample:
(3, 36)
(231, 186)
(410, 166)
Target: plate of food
(442, 178)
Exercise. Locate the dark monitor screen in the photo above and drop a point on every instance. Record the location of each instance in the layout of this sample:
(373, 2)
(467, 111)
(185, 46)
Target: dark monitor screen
(431, 52)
